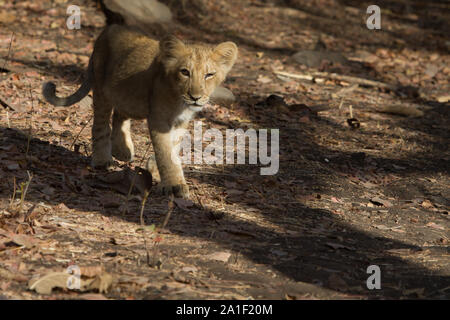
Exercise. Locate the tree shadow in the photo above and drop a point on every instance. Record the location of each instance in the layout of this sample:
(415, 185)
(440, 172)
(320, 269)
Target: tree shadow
(338, 21)
(68, 72)
(305, 244)
(431, 17)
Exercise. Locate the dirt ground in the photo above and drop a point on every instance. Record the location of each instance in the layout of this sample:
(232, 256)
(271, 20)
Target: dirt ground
(345, 197)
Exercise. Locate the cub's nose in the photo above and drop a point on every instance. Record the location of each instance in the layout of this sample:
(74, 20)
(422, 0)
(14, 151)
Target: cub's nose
(194, 97)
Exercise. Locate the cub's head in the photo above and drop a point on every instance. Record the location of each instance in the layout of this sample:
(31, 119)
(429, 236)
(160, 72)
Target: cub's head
(195, 70)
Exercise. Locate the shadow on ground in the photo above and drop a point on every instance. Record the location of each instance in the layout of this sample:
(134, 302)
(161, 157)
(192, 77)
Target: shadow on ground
(309, 245)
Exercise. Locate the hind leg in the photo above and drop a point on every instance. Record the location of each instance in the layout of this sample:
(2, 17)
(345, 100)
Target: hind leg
(122, 145)
(101, 132)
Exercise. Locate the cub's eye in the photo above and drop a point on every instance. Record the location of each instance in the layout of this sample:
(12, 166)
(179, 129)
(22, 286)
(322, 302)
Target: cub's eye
(209, 75)
(185, 72)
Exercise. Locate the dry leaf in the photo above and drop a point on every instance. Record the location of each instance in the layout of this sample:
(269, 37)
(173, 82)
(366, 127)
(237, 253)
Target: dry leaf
(336, 282)
(304, 119)
(418, 291)
(234, 192)
(427, 204)
(336, 246)
(402, 110)
(381, 202)
(183, 203)
(21, 239)
(335, 200)
(431, 70)
(47, 283)
(13, 166)
(92, 296)
(435, 226)
(219, 256)
(102, 283)
(122, 180)
(263, 79)
(6, 274)
(443, 99)
(230, 184)
(189, 269)
(6, 17)
(91, 271)
(382, 227)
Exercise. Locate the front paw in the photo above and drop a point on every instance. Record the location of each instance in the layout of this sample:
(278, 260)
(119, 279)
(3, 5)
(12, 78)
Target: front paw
(178, 190)
(122, 153)
(101, 163)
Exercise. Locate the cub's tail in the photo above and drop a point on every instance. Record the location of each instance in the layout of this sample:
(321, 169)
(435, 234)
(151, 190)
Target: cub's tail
(49, 91)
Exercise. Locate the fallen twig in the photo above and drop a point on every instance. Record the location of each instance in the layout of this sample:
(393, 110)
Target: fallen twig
(24, 189)
(6, 103)
(169, 212)
(401, 110)
(14, 193)
(7, 119)
(335, 76)
(144, 200)
(9, 52)
(295, 76)
(30, 128)
(78, 135)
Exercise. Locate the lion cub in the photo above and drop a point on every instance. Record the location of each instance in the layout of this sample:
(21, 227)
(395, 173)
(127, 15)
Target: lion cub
(135, 77)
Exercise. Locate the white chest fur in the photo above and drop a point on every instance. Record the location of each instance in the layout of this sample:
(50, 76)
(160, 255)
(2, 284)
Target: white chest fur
(184, 116)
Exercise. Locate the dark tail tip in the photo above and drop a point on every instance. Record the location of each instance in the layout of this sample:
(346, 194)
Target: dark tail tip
(49, 91)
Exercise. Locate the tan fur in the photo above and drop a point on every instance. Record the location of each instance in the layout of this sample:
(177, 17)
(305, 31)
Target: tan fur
(135, 77)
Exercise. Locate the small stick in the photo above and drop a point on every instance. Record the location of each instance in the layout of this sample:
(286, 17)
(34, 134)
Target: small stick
(30, 128)
(78, 135)
(24, 190)
(9, 51)
(295, 76)
(7, 119)
(335, 76)
(342, 102)
(144, 200)
(14, 193)
(351, 111)
(146, 193)
(169, 212)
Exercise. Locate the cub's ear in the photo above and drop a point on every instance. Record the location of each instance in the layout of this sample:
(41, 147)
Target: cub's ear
(171, 46)
(226, 54)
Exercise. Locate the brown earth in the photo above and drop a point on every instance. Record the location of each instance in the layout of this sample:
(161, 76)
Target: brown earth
(344, 198)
